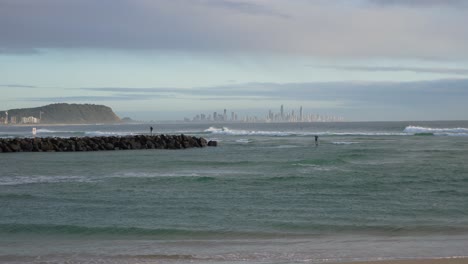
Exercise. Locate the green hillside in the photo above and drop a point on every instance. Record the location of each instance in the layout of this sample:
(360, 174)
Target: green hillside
(66, 114)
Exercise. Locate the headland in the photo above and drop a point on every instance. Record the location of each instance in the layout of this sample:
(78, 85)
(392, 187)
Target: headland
(60, 114)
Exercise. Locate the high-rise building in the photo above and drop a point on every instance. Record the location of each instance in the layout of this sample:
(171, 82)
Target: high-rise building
(300, 114)
(282, 113)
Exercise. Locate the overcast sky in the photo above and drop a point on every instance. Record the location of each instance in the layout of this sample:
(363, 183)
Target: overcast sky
(166, 59)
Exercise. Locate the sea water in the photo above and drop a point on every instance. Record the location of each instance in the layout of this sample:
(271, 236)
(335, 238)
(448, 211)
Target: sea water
(267, 194)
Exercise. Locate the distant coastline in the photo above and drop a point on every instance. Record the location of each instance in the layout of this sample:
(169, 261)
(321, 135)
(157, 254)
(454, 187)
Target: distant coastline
(62, 113)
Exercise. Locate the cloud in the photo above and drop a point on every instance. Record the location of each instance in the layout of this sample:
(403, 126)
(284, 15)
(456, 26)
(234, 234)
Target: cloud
(18, 50)
(375, 93)
(96, 98)
(312, 28)
(424, 100)
(17, 86)
(243, 7)
(421, 3)
(455, 71)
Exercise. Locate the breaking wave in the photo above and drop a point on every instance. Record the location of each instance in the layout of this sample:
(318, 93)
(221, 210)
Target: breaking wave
(233, 132)
(236, 132)
(417, 130)
(408, 131)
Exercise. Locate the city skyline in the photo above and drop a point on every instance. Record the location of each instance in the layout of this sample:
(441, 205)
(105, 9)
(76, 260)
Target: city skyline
(364, 60)
(283, 116)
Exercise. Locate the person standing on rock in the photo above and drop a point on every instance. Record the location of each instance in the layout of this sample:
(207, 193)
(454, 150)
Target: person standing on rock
(151, 130)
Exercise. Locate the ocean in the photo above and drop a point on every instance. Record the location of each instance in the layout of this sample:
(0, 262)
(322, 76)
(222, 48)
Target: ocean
(267, 194)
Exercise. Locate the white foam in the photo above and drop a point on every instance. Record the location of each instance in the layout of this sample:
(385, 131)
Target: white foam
(285, 146)
(234, 132)
(459, 131)
(243, 141)
(344, 143)
(107, 133)
(20, 180)
(44, 130)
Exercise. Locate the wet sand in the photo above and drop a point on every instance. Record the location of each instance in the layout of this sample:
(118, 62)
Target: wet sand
(418, 261)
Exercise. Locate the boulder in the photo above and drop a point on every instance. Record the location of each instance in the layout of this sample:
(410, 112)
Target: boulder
(212, 143)
(202, 142)
(109, 146)
(15, 147)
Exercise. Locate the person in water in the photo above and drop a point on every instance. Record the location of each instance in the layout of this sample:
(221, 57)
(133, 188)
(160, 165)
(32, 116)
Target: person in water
(316, 140)
(151, 130)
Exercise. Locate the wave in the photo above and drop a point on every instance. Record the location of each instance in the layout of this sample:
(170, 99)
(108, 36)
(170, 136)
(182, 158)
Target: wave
(86, 133)
(15, 196)
(417, 130)
(408, 131)
(243, 140)
(85, 230)
(44, 130)
(227, 131)
(20, 180)
(108, 133)
(236, 132)
(68, 133)
(344, 143)
(274, 230)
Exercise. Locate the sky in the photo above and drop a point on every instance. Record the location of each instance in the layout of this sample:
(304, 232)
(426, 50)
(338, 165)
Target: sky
(363, 60)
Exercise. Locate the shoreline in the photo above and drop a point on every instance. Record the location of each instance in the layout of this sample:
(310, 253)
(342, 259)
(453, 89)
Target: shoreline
(450, 260)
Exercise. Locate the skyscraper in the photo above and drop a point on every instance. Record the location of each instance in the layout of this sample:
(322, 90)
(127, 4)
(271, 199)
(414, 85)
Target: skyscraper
(300, 114)
(282, 113)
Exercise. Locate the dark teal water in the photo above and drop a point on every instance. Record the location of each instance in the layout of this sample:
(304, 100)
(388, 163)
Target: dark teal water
(267, 194)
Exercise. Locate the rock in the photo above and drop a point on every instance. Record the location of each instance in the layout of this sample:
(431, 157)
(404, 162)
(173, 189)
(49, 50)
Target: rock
(109, 146)
(6, 149)
(27, 146)
(202, 142)
(15, 147)
(103, 143)
(149, 145)
(212, 143)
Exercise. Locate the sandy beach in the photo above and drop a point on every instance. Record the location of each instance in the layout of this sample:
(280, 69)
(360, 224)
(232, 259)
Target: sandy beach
(417, 261)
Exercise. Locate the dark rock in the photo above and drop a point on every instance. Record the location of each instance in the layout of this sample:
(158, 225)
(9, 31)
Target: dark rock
(109, 146)
(15, 147)
(212, 143)
(150, 145)
(103, 143)
(27, 146)
(6, 149)
(202, 142)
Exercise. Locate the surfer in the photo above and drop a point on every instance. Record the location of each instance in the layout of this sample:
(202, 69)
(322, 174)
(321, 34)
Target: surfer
(151, 130)
(316, 140)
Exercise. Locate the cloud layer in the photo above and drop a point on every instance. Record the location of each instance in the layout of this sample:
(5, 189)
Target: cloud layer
(374, 28)
(367, 94)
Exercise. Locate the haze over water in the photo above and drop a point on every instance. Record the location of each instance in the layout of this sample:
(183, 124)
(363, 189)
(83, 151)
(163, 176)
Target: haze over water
(266, 194)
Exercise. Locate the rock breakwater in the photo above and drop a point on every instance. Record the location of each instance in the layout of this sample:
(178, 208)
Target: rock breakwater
(102, 143)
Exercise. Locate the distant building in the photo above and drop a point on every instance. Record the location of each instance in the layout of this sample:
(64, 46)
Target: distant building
(282, 113)
(300, 115)
(29, 120)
